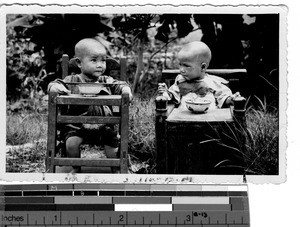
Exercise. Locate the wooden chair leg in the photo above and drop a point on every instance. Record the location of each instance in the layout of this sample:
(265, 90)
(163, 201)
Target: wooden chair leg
(124, 133)
(51, 143)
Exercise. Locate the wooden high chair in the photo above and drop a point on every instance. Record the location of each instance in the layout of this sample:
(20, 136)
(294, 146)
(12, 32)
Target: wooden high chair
(56, 116)
(180, 134)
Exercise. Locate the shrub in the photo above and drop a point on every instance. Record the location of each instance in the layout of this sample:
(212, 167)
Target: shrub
(25, 65)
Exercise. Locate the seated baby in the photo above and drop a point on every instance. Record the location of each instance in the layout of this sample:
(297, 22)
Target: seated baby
(194, 82)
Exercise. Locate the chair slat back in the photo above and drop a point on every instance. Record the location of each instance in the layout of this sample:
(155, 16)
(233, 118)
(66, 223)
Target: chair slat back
(108, 100)
(88, 119)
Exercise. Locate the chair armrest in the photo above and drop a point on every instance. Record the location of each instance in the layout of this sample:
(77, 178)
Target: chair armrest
(170, 108)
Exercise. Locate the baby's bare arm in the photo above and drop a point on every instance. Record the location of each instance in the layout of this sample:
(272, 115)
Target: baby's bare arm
(58, 88)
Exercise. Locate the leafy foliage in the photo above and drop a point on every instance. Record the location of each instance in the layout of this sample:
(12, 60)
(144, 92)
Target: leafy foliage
(181, 21)
(24, 65)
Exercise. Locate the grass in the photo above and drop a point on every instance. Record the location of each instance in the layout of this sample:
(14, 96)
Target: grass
(257, 143)
(262, 140)
(142, 135)
(25, 127)
(26, 134)
(260, 148)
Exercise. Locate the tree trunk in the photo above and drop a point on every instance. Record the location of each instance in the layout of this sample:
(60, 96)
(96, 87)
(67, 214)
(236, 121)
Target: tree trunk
(139, 67)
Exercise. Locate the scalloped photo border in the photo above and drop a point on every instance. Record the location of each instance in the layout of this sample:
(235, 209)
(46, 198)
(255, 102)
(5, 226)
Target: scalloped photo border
(148, 8)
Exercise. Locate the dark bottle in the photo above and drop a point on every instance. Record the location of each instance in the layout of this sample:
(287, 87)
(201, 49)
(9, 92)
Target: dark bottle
(161, 101)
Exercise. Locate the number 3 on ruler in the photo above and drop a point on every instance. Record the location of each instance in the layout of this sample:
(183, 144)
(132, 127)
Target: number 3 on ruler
(188, 218)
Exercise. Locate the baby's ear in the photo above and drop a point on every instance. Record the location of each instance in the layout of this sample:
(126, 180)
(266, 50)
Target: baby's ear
(78, 62)
(204, 66)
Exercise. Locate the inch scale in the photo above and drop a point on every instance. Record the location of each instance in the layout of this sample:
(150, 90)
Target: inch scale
(124, 205)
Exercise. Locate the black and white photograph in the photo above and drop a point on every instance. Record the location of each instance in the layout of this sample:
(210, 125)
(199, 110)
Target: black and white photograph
(196, 94)
(146, 93)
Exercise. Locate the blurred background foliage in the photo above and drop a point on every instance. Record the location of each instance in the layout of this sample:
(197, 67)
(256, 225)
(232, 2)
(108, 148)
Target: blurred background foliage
(35, 44)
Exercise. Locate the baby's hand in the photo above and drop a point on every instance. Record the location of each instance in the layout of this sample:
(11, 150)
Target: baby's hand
(163, 90)
(60, 89)
(128, 90)
(91, 126)
(162, 87)
(235, 95)
(230, 99)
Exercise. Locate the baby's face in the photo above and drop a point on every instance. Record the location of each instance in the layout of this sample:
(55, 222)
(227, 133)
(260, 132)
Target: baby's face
(190, 69)
(93, 61)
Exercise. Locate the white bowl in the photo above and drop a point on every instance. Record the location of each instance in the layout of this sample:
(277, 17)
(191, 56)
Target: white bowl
(90, 89)
(198, 106)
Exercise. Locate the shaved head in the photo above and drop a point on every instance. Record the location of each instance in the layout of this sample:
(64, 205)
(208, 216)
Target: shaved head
(195, 51)
(88, 45)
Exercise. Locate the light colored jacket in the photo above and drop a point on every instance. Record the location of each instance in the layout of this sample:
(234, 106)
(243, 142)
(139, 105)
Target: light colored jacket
(210, 87)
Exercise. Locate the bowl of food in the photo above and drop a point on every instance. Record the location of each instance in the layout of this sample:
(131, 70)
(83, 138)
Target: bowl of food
(198, 105)
(90, 89)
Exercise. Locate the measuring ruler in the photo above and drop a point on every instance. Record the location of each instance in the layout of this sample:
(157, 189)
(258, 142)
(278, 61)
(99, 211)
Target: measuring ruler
(124, 205)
